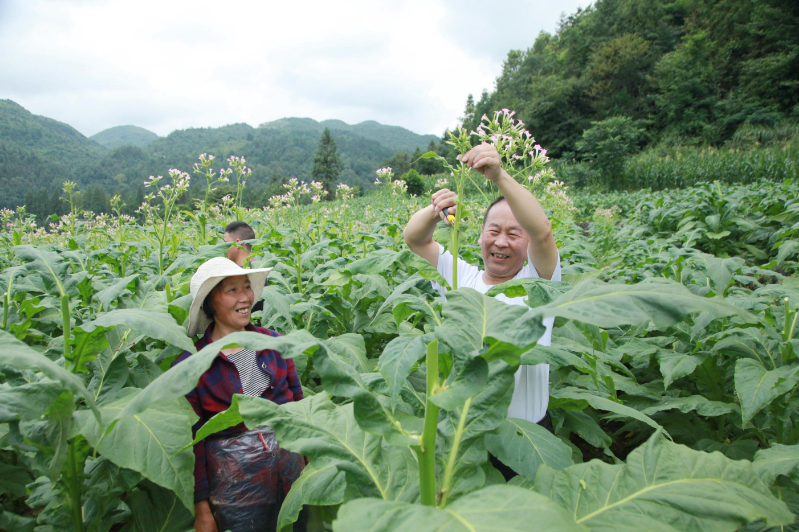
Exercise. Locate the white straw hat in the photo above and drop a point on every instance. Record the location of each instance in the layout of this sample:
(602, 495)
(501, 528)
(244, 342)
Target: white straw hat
(208, 275)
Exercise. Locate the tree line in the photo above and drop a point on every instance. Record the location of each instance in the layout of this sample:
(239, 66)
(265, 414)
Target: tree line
(685, 72)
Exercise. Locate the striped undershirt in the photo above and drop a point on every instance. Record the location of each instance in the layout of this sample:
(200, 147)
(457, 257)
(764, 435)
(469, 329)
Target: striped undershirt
(254, 381)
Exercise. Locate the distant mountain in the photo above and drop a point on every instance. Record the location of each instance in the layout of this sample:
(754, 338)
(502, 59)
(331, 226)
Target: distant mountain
(394, 137)
(39, 152)
(118, 136)
(273, 154)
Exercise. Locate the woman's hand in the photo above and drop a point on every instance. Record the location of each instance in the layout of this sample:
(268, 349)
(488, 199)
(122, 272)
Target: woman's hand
(203, 518)
(442, 199)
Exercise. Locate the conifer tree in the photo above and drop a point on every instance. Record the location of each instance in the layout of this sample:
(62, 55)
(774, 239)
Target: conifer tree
(326, 163)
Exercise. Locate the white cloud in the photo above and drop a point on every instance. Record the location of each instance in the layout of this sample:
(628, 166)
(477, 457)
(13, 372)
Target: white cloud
(167, 65)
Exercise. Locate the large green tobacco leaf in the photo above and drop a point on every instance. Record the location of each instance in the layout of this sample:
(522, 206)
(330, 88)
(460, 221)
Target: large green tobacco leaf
(414, 281)
(111, 372)
(87, 345)
(150, 442)
(674, 365)
(586, 427)
(318, 486)
(13, 480)
(495, 508)
(153, 442)
(747, 343)
(601, 403)
(146, 297)
(373, 412)
(157, 509)
(397, 360)
(665, 487)
(28, 401)
(469, 378)
(417, 264)
(351, 349)
(108, 295)
(277, 300)
(786, 249)
(538, 291)
(49, 264)
(17, 523)
(378, 261)
(328, 434)
(59, 425)
(663, 302)
(158, 325)
(699, 403)
(720, 270)
(183, 377)
(777, 460)
(487, 410)
(18, 355)
(474, 320)
(524, 446)
(757, 387)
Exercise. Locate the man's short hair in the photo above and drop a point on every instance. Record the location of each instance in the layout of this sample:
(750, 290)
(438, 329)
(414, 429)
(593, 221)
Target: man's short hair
(498, 200)
(241, 231)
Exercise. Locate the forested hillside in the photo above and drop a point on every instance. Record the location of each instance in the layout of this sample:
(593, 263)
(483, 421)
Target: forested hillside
(36, 151)
(38, 154)
(686, 72)
(398, 138)
(116, 137)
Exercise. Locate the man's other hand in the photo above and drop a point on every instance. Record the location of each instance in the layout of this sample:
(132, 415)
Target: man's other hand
(442, 199)
(485, 159)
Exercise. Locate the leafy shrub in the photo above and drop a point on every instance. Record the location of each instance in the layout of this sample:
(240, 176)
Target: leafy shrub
(414, 182)
(608, 142)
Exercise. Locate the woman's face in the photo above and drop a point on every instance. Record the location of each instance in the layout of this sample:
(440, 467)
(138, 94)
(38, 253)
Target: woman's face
(232, 300)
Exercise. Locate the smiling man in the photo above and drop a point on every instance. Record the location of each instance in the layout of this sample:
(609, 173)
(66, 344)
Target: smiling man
(516, 242)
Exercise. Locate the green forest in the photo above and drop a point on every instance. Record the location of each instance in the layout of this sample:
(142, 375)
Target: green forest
(38, 154)
(688, 72)
(624, 84)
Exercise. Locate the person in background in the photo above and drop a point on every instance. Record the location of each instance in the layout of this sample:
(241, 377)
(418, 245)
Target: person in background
(236, 232)
(517, 242)
(241, 476)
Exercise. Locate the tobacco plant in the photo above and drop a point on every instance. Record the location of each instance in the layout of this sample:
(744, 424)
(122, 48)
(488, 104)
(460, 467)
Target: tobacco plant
(672, 394)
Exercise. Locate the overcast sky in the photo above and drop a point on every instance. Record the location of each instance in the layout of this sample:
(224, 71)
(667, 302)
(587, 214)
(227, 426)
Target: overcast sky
(166, 65)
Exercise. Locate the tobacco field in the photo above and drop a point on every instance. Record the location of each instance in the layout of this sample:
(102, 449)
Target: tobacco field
(674, 365)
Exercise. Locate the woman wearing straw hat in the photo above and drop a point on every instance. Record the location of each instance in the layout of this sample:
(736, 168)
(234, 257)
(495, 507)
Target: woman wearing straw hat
(241, 477)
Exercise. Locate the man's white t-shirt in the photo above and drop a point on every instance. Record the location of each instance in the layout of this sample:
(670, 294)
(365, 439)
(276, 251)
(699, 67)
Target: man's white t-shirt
(531, 394)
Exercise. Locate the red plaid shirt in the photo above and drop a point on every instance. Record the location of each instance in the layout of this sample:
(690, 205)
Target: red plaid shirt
(214, 393)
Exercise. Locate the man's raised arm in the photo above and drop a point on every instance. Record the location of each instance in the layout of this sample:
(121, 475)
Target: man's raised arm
(418, 233)
(541, 249)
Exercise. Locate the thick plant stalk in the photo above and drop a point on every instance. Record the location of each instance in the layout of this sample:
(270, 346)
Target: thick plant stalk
(299, 273)
(777, 413)
(74, 487)
(456, 225)
(66, 325)
(455, 246)
(426, 452)
(787, 330)
(6, 303)
(453, 455)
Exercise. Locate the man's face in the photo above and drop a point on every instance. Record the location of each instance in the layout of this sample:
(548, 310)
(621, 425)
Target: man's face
(236, 254)
(503, 242)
